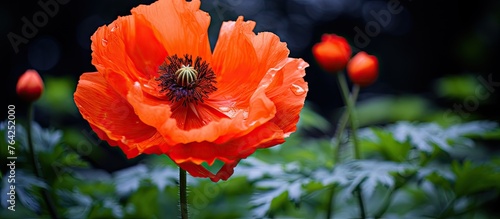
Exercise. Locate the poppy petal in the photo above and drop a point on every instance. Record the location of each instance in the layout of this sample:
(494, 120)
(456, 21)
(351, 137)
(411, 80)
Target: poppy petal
(195, 170)
(271, 52)
(230, 151)
(194, 116)
(180, 26)
(242, 58)
(234, 62)
(191, 156)
(158, 114)
(288, 92)
(112, 115)
(129, 152)
(129, 47)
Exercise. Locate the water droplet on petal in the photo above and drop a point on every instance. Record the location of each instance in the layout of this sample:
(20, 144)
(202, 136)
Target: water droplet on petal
(124, 140)
(224, 109)
(113, 28)
(297, 89)
(104, 42)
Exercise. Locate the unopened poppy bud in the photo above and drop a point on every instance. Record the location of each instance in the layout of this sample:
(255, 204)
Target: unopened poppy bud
(332, 53)
(363, 69)
(30, 86)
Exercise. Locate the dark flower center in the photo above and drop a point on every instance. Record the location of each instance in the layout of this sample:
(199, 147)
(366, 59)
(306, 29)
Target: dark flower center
(186, 81)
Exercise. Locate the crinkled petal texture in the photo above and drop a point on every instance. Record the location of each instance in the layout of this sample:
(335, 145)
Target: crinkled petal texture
(260, 90)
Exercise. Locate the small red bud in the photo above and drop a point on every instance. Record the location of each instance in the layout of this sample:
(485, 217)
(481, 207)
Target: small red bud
(363, 69)
(332, 53)
(30, 86)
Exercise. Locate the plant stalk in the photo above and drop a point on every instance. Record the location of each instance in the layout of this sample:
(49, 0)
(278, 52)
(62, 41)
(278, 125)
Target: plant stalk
(36, 167)
(337, 148)
(342, 124)
(331, 203)
(183, 194)
(353, 122)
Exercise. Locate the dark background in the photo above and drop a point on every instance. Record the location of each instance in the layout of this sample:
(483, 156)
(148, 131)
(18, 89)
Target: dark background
(427, 40)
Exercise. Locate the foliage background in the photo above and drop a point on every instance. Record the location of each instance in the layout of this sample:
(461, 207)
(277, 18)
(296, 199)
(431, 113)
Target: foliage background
(432, 55)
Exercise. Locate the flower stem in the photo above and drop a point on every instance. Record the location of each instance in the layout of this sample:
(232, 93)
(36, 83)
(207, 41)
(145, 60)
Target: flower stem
(359, 195)
(350, 108)
(336, 150)
(338, 136)
(36, 166)
(331, 203)
(183, 194)
(352, 118)
(342, 124)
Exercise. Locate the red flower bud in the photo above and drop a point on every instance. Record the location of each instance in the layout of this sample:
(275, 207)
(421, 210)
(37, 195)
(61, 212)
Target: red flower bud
(332, 53)
(30, 86)
(363, 69)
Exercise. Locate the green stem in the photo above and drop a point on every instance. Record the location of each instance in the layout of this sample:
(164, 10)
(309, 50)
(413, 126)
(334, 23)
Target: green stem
(359, 195)
(36, 166)
(183, 194)
(385, 205)
(337, 148)
(350, 108)
(331, 203)
(341, 126)
(338, 136)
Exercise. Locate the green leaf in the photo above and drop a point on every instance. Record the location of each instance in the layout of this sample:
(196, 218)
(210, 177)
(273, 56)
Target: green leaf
(383, 142)
(128, 180)
(76, 204)
(73, 160)
(370, 173)
(439, 180)
(392, 108)
(339, 175)
(426, 136)
(25, 185)
(43, 139)
(106, 208)
(276, 182)
(457, 87)
(163, 177)
(486, 135)
(422, 136)
(471, 178)
(58, 92)
(146, 203)
(311, 120)
(438, 174)
(255, 169)
(262, 201)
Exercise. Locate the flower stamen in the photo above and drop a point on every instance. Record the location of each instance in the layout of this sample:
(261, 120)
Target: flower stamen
(186, 81)
(186, 75)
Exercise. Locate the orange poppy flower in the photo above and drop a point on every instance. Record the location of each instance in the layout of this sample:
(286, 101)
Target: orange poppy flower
(332, 53)
(363, 69)
(159, 89)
